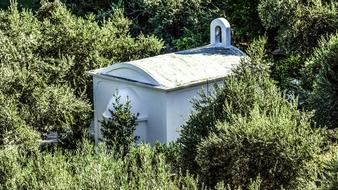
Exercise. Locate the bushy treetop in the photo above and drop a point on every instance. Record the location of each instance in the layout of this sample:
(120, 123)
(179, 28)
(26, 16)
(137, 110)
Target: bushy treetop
(299, 24)
(323, 67)
(45, 56)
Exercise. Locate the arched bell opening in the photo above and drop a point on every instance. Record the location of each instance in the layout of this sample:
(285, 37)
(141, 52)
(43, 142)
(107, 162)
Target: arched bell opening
(218, 34)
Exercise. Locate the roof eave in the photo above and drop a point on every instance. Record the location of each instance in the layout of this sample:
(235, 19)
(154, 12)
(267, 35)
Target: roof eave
(213, 80)
(161, 88)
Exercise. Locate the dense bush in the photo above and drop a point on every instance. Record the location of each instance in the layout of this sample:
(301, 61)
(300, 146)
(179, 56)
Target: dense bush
(248, 130)
(119, 128)
(274, 144)
(299, 24)
(244, 135)
(141, 168)
(240, 91)
(83, 7)
(182, 24)
(186, 23)
(294, 28)
(69, 45)
(92, 45)
(331, 180)
(323, 67)
(321, 55)
(28, 4)
(286, 70)
(13, 129)
(170, 152)
(44, 59)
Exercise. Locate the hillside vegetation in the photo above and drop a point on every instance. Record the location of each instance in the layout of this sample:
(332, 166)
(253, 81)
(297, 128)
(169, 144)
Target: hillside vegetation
(272, 125)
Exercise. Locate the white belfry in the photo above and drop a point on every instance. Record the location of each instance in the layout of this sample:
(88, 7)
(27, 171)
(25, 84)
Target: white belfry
(220, 33)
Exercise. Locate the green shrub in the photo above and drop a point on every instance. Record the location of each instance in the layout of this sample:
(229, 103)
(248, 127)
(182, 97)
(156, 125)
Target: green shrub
(84, 7)
(273, 144)
(92, 46)
(294, 28)
(170, 152)
(56, 108)
(14, 130)
(182, 24)
(320, 55)
(324, 98)
(299, 24)
(28, 4)
(285, 70)
(119, 128)
(239, 93)
(141, 168)
(66, 46)
(331, 180)
(248, 130)
(44, 60)
(186, 23)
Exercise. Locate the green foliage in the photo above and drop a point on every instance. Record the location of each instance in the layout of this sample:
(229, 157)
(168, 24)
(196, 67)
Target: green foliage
(244, 135)
(182, 24)
(44, 60)
(28, 4)
(323, 54)
(285, 70)
(294, 28)
(93, 45)
(141, 168)
(120, 127)
(324, 98)
(247, 130)
(254, 185)
(22, 78)
(14, 130)
(299, 24)
(274, 144)
(331, 181)
(175, 18)
(240, 91)
(170, 152)
(56, 108)
(83, 7)
(187, 22)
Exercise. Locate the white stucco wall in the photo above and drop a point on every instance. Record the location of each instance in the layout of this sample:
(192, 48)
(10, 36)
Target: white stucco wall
(162, 113)
(179, 107)
(152, 103)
